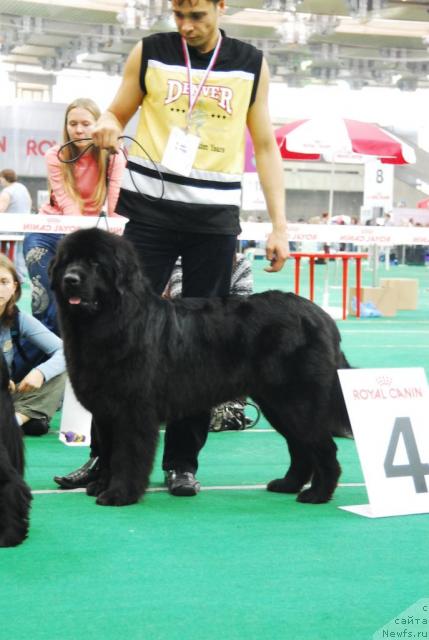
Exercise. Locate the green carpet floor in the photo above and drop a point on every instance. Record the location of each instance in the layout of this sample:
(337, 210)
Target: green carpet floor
(235, 562)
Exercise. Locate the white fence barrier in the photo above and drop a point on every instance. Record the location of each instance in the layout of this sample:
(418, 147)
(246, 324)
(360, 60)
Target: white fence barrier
(258, 231)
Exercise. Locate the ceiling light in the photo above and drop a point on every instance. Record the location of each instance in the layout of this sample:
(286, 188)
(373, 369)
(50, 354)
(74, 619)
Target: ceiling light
(297, 28)
(294, 28)
(281, 5)
(81, 57)
(142, 14)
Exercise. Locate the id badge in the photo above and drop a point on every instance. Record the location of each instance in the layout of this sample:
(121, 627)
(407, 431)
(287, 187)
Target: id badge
(180, 152)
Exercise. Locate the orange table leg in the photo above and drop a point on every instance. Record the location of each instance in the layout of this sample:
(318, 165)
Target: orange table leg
(11, 251)
(345, 278)
(312, 278)
(297, 267)
(358, 285)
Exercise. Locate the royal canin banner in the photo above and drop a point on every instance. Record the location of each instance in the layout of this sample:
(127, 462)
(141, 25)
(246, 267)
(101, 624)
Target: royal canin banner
(11, 223)
(27, 131)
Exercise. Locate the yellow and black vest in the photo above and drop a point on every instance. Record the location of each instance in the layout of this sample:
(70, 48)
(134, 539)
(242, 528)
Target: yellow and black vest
(209, 199)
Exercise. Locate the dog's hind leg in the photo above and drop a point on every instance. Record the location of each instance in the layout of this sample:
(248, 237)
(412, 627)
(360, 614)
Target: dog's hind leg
(326, 472)
(301, 465)
(312, 450)
(299, 472)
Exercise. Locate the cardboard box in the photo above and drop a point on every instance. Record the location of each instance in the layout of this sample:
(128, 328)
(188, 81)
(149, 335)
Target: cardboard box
(383, 299)
(407, 291)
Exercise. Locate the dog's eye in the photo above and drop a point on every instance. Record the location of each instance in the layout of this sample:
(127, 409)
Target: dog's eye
(94, 263)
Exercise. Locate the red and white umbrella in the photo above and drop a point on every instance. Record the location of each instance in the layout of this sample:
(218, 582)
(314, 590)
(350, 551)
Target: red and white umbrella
(340, 139)
(423, 204)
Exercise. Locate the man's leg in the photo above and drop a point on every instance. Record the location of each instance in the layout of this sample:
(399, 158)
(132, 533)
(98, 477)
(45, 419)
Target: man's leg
(207, 266)
(88, 472)
(158, 250)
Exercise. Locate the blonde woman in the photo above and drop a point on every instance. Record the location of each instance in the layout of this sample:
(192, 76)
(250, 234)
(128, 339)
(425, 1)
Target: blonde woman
(78, 188)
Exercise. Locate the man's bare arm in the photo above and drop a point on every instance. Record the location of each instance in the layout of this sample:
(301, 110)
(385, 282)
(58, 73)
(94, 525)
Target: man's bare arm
(125, 103)
(270, 171)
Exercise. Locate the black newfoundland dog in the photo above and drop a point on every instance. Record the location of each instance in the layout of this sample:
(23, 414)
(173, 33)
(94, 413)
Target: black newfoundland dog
(15, 496)
(136, 360)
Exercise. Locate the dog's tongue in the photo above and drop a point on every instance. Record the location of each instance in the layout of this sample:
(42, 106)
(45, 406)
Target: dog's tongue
(74, 300)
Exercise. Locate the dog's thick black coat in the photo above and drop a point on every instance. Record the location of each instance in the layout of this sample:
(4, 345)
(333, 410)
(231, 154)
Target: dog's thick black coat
(15, 496)
(136, 360)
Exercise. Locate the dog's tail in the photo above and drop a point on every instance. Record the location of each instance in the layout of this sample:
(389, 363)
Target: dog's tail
(343, 363)
(340, 425)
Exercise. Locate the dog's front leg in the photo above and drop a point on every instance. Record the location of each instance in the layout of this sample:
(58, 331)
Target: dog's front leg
(133, 448)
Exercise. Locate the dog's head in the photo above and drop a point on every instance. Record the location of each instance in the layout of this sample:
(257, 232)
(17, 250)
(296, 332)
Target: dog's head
(92, 269)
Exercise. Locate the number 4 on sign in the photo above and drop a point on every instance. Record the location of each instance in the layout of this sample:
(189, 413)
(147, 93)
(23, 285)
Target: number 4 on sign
(389, 411)
(415, 468)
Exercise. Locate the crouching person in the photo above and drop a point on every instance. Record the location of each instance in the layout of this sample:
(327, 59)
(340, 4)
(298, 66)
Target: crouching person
(34, 356)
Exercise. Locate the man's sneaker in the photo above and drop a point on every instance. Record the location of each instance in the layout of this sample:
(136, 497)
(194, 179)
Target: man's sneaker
(181, 483)
(81, 477)
(35, 427)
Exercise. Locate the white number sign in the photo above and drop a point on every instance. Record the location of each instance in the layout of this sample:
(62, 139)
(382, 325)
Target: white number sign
(389, 413)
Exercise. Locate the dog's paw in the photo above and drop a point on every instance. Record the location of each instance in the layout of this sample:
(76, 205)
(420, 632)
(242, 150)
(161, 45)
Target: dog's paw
(95, 488)
(285, 485)
(12, 538)
(116, 498)
(310, 496)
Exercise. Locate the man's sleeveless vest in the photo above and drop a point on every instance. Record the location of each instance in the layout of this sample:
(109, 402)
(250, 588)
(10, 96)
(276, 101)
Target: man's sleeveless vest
(209, 199)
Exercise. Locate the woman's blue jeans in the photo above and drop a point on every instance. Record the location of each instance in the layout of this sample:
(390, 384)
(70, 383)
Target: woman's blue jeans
(39, 249)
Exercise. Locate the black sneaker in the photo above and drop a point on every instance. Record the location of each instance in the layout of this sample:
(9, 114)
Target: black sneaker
(181, 483)
(36, 427)
(80, 477)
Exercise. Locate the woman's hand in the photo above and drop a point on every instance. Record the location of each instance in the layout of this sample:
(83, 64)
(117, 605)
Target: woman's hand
(12, 386)
(33, 380)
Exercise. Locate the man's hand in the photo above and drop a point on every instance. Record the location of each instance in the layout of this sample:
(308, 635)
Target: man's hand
(33, 380)
(106, 132)
(277, 250)
(128, 98)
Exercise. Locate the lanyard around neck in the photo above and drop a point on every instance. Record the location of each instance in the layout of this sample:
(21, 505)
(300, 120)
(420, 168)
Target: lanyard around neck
(193, 99)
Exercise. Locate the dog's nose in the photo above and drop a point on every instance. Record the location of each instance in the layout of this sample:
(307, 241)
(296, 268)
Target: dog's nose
(72, 278)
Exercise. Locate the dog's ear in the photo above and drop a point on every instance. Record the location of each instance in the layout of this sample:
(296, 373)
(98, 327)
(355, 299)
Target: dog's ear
(120, 268)
(122, 262)
(127, 270)
(53, 271)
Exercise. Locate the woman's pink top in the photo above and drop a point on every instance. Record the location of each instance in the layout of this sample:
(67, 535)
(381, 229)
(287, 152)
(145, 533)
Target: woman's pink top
(86, 176)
